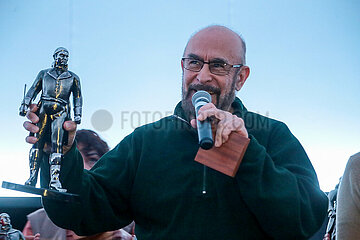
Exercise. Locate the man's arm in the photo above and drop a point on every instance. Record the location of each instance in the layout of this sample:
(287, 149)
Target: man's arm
(104, 192)
(279, 185)
(276, 178)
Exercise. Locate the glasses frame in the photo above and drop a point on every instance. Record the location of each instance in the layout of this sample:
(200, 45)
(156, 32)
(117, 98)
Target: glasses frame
(203, 62)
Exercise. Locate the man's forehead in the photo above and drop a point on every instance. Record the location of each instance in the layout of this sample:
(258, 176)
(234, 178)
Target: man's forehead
(215, 42)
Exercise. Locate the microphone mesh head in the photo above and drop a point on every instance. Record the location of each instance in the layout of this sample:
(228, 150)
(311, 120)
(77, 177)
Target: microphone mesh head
(201, 96)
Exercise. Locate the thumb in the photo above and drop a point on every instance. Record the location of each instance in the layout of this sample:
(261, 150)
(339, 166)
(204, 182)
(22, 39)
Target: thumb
(36, 237)
(70, 127)
(193, 123)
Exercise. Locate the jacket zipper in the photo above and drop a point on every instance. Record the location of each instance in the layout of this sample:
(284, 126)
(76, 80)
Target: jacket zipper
(204, 180)
(204, 188)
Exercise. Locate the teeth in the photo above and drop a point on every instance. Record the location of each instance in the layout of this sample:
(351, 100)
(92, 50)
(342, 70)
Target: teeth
(210, 92)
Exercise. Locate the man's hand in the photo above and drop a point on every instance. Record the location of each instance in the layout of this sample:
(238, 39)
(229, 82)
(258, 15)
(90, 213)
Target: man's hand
(30, 126)
(122, 234)
(35, 237)
(224, 123)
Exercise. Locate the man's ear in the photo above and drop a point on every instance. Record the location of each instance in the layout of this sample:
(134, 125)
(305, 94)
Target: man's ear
(182, 65)
(242, 76)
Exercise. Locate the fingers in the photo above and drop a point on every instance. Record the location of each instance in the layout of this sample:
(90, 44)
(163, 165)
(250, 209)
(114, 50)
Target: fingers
(31, 115)
(121, 234)
(206, 111)
(35, 237)
(193, 123)
(31, 139)
(33, 107)
(69, 126)
(223, 131)
(226, 123)
(226, 127)
(31, 127)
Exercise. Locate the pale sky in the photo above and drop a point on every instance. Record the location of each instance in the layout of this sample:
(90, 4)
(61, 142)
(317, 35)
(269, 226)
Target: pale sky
(304, 58)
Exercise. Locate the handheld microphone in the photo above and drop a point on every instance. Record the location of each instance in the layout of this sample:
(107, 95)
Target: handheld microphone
(199, 99)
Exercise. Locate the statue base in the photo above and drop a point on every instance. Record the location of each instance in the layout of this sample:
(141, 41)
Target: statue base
(46, 193)
(226, 158)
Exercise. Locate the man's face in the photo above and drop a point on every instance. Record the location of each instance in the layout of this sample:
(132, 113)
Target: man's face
(61, 58)
(90, 156)
(212, 45)
(5, 221)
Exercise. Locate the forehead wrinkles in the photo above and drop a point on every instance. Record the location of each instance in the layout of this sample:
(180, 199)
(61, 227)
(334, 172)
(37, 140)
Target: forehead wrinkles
(215, 43)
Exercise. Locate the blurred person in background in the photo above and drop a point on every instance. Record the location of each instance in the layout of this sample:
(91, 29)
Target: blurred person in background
(348, 201)
(6, 230)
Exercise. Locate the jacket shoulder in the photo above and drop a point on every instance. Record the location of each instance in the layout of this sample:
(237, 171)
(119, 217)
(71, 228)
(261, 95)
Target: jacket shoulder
(74, 74)
(44, 71)
(255, 121)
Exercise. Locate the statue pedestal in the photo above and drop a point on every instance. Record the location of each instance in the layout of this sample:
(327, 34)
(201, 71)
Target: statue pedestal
(227, 157)
(46, 193)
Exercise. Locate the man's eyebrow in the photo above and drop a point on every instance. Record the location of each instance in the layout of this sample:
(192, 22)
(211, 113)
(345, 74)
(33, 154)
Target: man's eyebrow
(194, 56)
(222, 60)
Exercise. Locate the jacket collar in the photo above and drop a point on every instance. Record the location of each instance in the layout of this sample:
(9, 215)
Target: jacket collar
(52, 72)
(238, 109)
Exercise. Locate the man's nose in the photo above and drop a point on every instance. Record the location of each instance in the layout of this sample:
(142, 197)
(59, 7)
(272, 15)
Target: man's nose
(204, 75)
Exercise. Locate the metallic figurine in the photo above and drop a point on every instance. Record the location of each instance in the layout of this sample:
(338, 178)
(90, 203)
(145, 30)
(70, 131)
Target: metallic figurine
(6, 231)
(56, 84)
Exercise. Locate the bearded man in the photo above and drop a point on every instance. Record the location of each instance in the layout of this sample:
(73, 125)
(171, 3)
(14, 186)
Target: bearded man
(151, 176)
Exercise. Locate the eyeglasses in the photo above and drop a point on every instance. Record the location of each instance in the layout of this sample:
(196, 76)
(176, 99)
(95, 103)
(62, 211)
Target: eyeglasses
(215, 67)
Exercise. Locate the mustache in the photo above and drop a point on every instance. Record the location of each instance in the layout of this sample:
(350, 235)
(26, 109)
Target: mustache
(207, 88)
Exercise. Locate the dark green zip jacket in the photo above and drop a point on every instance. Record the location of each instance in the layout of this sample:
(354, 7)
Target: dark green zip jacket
(151, 177)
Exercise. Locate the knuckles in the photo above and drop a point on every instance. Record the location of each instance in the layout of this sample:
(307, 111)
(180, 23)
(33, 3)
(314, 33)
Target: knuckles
(27, 125)
(30, 127)
(31, 140)
(223, 120)
(32, 117)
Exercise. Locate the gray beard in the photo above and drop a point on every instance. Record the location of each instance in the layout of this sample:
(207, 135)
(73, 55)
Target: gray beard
(223, 103)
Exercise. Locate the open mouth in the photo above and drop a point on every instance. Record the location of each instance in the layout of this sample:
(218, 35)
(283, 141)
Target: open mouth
(209, 91)
(193, 91)
(213, 94)
(212, 90)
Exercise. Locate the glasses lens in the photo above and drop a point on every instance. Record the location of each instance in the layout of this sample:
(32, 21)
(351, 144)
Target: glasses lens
(193, 64)
(219, 68)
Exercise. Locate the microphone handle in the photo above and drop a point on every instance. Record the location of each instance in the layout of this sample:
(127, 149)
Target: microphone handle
(204, 132)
